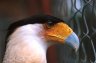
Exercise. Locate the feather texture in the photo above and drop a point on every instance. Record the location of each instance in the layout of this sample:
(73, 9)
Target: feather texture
(26, 45)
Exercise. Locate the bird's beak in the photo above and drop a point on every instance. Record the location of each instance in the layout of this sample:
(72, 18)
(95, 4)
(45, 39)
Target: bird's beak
(73, 41)
(62, 33)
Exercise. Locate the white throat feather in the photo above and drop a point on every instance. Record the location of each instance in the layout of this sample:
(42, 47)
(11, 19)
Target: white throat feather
(26, 45)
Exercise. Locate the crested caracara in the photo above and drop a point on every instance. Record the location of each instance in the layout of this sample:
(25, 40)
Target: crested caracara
(28, 39)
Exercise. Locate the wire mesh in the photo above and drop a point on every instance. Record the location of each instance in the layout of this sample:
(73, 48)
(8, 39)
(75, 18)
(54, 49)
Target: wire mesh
(85, 18)
(81, 16)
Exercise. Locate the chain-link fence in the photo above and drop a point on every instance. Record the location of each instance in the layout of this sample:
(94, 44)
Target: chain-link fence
(81, 16)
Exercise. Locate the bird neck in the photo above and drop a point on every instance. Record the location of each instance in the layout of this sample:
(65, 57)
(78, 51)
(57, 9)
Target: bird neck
(27, 43)
(33, 33)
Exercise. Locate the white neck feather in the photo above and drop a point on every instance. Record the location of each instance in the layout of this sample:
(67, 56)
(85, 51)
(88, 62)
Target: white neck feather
(31, 32)
(26, 42)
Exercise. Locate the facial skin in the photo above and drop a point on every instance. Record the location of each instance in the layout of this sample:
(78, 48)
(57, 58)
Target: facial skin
(57, 32)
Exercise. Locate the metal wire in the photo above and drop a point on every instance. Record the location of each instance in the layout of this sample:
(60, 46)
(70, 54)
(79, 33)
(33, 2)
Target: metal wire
(82, 18)
(84, 31)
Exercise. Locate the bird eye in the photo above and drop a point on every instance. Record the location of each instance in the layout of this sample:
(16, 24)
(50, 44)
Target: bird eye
(50, 23)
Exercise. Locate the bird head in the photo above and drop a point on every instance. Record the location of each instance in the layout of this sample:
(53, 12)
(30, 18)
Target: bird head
(55, 30)
(60, 32)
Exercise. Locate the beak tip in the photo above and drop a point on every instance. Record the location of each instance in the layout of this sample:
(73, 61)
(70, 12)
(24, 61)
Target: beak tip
(73, 41)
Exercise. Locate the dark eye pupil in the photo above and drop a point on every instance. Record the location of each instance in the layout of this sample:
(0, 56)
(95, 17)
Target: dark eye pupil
(50, 23)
